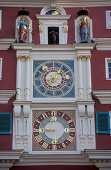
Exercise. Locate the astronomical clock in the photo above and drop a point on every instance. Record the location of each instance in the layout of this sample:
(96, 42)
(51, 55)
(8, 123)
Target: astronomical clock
(53, 79)
(53, 130)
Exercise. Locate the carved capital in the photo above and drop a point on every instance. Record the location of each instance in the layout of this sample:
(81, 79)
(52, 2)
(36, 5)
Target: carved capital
(79, 57)
(88, 57)
(27, 58)
(17, 111)
(90, 110)
(26, 110)
(81, 110)
(19, 57)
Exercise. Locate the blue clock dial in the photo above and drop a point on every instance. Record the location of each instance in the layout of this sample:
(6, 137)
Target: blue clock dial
(53, 79)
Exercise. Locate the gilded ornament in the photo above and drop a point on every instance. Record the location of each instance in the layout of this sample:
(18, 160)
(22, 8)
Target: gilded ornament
(79, 57)
(27, 58)
(88, 57)
(19, 57)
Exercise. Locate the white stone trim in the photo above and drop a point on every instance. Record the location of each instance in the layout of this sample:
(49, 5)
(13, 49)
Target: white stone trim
(5, 43)
(104, 96)
(1, 68)
(108, 19)
(63, 3)
(102, 43)
(107, 60)
(5, 95)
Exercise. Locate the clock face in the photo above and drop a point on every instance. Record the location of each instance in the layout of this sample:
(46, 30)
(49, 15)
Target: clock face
(53, 130)
(53, 79)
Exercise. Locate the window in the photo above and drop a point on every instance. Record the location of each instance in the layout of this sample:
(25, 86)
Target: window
(53, 12)
(0, 19)
(108, 68)
(53, 35)
(0, 68)
(5, 123)
(103, 122)
(108, 19)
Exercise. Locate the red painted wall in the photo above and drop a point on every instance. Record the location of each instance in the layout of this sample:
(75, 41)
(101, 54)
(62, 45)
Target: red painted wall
(8, 69)
(97, 14)
(55, 167)
(98, 70)
(6, 140)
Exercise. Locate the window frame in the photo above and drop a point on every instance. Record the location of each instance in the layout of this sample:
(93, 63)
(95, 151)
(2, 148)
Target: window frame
(1, 68)
(102, 132)
(8, 132)
(107, 60)
(108, 19)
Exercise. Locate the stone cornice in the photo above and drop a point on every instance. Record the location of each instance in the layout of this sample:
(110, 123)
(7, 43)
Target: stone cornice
(64, 3)
(5, 95)
(104, 96)
(5, 43)
(60, 47)
(96, 155)
(102, 43)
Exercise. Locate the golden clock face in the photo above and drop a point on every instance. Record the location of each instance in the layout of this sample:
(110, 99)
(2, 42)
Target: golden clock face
(53, 130)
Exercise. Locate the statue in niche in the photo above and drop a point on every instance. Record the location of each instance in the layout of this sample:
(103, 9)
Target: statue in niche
(23, 29)
(53, 35)
(84, 30)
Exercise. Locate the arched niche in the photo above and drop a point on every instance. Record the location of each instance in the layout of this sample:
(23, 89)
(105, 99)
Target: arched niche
(29, 29)
(78, 22)
(58, 8)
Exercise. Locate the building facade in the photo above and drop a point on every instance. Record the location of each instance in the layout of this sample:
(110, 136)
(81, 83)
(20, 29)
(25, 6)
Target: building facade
(55, 85)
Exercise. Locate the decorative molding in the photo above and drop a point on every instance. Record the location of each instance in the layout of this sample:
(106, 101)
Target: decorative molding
(98, 156)
(53, 6)
(63, 3)
(102, 43)
(25, 50)
(5, 95)
(5, 43)
(53, 17)
(52, 159)
(104, 96)
(10, 154)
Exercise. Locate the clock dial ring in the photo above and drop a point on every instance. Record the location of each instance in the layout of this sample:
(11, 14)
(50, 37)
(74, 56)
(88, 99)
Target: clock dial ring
(56, 142)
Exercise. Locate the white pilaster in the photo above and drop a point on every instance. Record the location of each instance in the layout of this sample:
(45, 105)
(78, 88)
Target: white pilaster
(80, 88)
(81, 111)
(18, 78)
(91, 126)
(26, 112)
(16, 119)
(27, 86)
(89, 86)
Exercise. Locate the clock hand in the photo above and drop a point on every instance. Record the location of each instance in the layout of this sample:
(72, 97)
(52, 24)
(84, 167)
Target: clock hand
(54, 77)
(54, 139)
(47, 128)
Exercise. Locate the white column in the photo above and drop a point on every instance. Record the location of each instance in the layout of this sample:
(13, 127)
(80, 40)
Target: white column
(27, 75)
(89, 86)
(80, 89)
(18, 78)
